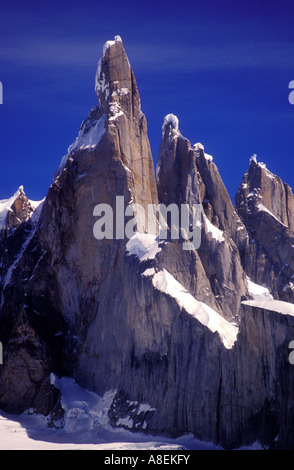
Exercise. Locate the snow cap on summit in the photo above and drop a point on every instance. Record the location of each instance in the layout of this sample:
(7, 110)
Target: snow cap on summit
(170, 120)
(253, 158)
(111, 43)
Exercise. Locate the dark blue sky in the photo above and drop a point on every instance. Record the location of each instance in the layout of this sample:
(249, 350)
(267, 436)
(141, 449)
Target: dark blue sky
(223, 67)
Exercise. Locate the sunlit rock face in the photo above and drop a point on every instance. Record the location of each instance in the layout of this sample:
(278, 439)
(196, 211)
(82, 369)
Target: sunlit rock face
(188, 340)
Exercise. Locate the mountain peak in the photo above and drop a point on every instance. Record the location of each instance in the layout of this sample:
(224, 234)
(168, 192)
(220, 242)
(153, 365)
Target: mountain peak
(111, 43)
(170, 122)
(262, 190)
(16, 209)
(115, 83)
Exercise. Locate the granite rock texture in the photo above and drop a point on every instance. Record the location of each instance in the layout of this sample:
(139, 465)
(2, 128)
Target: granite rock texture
(168, 329)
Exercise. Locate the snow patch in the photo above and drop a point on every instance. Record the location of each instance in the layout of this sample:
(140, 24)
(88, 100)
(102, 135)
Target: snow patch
(258, 292)
(144, 407)
(208, 157)
(87, 428)
(5, 206)
(262, 208)
(261, 165)
(144, 246)
(127, 422)
(216, 233)
(149, 272)
(253, 158)
(83, 410)
(89, 136)
(37, 208)
(115, 110)
(103, 86)
(11, 268)
(122, 91)
(108, 44)
(206, 315)
(198, 146)
(279, 306)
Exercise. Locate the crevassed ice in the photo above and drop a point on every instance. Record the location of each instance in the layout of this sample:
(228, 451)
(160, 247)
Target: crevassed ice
(83, 409)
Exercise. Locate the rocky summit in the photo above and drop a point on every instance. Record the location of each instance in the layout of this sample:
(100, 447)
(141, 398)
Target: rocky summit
(188, 340)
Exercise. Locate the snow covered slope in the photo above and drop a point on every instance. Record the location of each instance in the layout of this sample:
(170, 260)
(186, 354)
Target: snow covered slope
(86, 427)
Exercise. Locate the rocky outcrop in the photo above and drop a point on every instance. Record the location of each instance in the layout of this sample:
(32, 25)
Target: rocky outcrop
(19, 210)
(263, 188)
(172, 332)
(265, 205)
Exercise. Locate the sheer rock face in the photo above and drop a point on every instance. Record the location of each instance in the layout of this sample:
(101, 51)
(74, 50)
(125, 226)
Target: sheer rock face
(163, 326)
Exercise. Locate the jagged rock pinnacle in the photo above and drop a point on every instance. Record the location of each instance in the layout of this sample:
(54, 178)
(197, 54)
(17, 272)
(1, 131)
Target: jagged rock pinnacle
(171, 123)
(115, 84)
